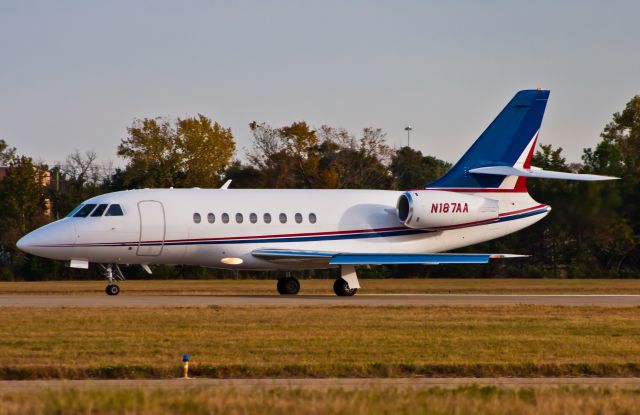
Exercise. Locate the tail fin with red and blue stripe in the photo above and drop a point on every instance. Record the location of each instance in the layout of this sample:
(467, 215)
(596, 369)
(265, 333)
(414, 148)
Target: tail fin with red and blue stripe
(508, 141)
(500, 159)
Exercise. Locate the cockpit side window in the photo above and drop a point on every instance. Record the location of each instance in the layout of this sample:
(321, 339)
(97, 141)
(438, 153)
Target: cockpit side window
(99, 210)
(84, 210)
(114, 210)
(74, 211)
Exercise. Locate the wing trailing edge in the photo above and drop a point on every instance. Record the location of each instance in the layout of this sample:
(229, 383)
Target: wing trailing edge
(346, 258)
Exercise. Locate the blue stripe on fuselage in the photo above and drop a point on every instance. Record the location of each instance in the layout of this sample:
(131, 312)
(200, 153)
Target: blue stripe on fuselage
(523, 215)
(304, 238)
(401, 232)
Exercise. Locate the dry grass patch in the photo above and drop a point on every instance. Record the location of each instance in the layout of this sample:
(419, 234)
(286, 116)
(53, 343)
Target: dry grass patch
(319, 341)
(465, 400)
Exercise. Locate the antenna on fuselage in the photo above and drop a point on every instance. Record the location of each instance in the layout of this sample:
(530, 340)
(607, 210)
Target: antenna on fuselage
(226, 184)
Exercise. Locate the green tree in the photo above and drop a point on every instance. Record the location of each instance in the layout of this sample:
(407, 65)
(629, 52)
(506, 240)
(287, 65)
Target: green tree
(151, 155)
(618, 154)
(411, 169)
(22, 203)
(7, 154)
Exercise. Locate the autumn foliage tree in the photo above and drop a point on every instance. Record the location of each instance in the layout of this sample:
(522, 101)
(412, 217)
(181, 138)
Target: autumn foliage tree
(187, 152)
(297, 156)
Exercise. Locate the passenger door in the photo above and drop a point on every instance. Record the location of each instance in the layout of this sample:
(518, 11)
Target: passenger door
(152, 228)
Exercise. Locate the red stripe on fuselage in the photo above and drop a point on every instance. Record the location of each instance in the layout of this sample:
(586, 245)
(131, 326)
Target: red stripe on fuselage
(327, 233)
(522, 210)
(475, 190)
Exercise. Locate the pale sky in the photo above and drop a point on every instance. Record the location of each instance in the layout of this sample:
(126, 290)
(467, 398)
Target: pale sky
(75, 74)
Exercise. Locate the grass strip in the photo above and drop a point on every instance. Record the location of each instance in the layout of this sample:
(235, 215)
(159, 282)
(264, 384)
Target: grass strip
(463, 400)
(319, 341)
(372, 370)
(324, 286)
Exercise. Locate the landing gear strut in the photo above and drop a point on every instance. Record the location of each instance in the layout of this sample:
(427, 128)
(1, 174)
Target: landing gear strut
(288, 285)
(347, 285)
(112, 288)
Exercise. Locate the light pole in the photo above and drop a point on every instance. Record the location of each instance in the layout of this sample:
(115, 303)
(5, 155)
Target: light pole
(408, 129)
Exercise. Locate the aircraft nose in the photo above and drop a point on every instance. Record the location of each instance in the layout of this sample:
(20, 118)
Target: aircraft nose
(32, 242)
(51, 241)
(23, 243)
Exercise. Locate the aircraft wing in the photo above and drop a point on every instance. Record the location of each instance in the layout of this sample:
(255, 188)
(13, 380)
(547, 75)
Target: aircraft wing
(346, 258)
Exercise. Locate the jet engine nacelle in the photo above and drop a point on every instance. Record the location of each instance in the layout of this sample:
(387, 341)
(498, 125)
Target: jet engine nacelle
(436, 209)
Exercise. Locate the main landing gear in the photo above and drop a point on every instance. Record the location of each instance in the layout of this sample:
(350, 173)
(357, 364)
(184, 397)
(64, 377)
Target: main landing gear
(345, 286)
(112, 288)
(341, 288)
(288, 285)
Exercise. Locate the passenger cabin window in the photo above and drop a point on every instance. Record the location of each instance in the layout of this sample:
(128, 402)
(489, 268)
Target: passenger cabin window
(283, 218)
(84, 211)
(211, 218)
(239, 217)
(114, 210)
(99, 210)
(298, 218)
(225, 218)
(312, 218)
(266, 218)
(196, 218)
(253, 218)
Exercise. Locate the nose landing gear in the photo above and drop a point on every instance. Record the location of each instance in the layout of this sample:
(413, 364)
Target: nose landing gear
(112, 288)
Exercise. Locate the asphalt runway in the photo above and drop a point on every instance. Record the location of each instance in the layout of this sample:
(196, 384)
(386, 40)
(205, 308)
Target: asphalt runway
(158, 300)
(318, 384)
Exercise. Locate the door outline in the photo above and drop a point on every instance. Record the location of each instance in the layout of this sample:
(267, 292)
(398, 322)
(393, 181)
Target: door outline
(164, 229)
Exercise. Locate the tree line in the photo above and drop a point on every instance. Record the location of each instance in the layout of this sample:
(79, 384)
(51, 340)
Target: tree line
(593, 230)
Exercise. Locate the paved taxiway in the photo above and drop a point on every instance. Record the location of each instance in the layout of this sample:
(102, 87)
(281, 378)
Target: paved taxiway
(158, 300)
(320, 384)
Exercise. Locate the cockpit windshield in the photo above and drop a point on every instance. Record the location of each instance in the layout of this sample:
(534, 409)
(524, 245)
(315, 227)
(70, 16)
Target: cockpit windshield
(84, 211)
(73, 212)
(90, 209)
(114, 210)
(99, 210)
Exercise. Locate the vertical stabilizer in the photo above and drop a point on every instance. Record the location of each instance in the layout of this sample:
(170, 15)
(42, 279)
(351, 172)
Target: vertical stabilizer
(509, 140)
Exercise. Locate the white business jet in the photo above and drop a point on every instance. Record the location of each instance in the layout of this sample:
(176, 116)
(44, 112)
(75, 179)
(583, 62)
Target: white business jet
(483, 197)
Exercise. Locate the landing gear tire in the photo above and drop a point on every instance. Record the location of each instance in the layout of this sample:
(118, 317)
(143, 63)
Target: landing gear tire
(112, 289)
(288, 286)
(341, 288)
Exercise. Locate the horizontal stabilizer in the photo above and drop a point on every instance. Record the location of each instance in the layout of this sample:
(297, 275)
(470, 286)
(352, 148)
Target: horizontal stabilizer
(343, 258)
(537, 173)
